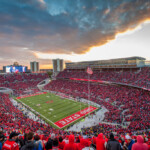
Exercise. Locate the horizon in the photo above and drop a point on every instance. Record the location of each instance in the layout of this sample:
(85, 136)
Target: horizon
(42, 30)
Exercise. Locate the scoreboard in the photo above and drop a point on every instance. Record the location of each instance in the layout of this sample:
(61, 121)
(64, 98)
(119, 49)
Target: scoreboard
(15, 69)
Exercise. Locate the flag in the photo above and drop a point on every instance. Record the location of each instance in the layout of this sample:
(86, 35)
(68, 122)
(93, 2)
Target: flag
(89, 70)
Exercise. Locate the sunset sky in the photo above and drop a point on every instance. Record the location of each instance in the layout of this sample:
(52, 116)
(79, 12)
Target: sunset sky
(74, 30)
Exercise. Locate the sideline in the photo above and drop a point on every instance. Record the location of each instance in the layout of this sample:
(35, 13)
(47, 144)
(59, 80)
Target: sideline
(38, 113)
(54, 123)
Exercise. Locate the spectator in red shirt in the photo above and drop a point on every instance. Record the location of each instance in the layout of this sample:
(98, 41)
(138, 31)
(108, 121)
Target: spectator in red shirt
(61, 143)
(11, 143)
(140, 145)
(100, 142)
(71, 145)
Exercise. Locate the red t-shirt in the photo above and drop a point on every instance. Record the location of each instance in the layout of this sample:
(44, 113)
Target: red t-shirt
(62, 144)
(10, 145)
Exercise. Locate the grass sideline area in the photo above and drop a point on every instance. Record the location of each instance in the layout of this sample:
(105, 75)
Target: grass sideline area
(52, 108)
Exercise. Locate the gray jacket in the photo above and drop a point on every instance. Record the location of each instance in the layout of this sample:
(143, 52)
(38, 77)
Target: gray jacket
(113, 145)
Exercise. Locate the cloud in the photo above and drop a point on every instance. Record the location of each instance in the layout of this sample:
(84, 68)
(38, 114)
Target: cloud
(22, 55)
(66, 26)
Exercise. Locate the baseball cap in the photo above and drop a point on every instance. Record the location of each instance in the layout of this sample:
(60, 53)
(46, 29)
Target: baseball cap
(12, 134)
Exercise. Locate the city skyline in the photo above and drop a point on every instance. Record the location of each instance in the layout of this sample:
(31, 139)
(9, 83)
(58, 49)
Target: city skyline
(41, 30)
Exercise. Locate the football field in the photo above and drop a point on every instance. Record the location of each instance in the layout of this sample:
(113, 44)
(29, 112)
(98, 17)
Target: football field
(58, 112)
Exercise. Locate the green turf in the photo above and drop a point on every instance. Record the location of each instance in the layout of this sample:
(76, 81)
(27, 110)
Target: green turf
(61, 107)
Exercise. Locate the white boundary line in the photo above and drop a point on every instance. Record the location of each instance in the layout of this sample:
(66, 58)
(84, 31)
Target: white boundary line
(50, 120)
(38, 113)
(26, 96)
(77, 119)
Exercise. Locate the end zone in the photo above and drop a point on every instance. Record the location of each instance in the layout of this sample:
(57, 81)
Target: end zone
(66, 121)
(24, 96)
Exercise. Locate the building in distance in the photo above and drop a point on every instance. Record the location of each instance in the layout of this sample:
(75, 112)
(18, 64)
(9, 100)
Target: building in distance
(34, 66)
(58, 65)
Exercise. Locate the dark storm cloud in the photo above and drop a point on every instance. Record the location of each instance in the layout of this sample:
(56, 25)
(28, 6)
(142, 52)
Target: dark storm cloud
(65, 26)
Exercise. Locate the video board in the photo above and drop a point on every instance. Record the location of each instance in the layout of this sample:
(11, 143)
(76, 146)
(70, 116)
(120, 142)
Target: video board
(15, 69)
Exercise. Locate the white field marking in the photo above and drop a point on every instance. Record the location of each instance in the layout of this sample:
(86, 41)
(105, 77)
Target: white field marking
(51, 109)
(66, 98)
(39, 114)
(77, 119)
(70, 99)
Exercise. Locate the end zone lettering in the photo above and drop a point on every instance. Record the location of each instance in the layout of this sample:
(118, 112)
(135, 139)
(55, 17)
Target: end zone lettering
(63, 122)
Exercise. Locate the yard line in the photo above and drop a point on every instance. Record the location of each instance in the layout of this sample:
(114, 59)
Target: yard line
(38, 113)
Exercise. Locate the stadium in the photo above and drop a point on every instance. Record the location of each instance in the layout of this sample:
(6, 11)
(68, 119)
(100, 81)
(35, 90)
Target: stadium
(74, 74)
(85, 99)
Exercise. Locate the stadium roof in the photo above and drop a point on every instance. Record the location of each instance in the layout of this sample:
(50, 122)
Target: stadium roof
(126, 58)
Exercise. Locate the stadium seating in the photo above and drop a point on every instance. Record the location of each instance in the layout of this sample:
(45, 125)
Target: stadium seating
(129, 108)
(140, 78)
(20, 83)
(115, 98)
(13, 119)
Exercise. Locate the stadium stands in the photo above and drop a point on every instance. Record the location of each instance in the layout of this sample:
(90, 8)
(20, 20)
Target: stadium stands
(116, 99)
(21, 83)
(128, 107)
(13, 119)
(140, 78)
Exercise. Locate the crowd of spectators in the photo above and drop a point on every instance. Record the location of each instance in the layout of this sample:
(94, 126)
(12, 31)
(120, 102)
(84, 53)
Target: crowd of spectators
(116, 99)
(135, 77)
(23, 82)
(13, 119)
(33, 141)
(17, 131)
